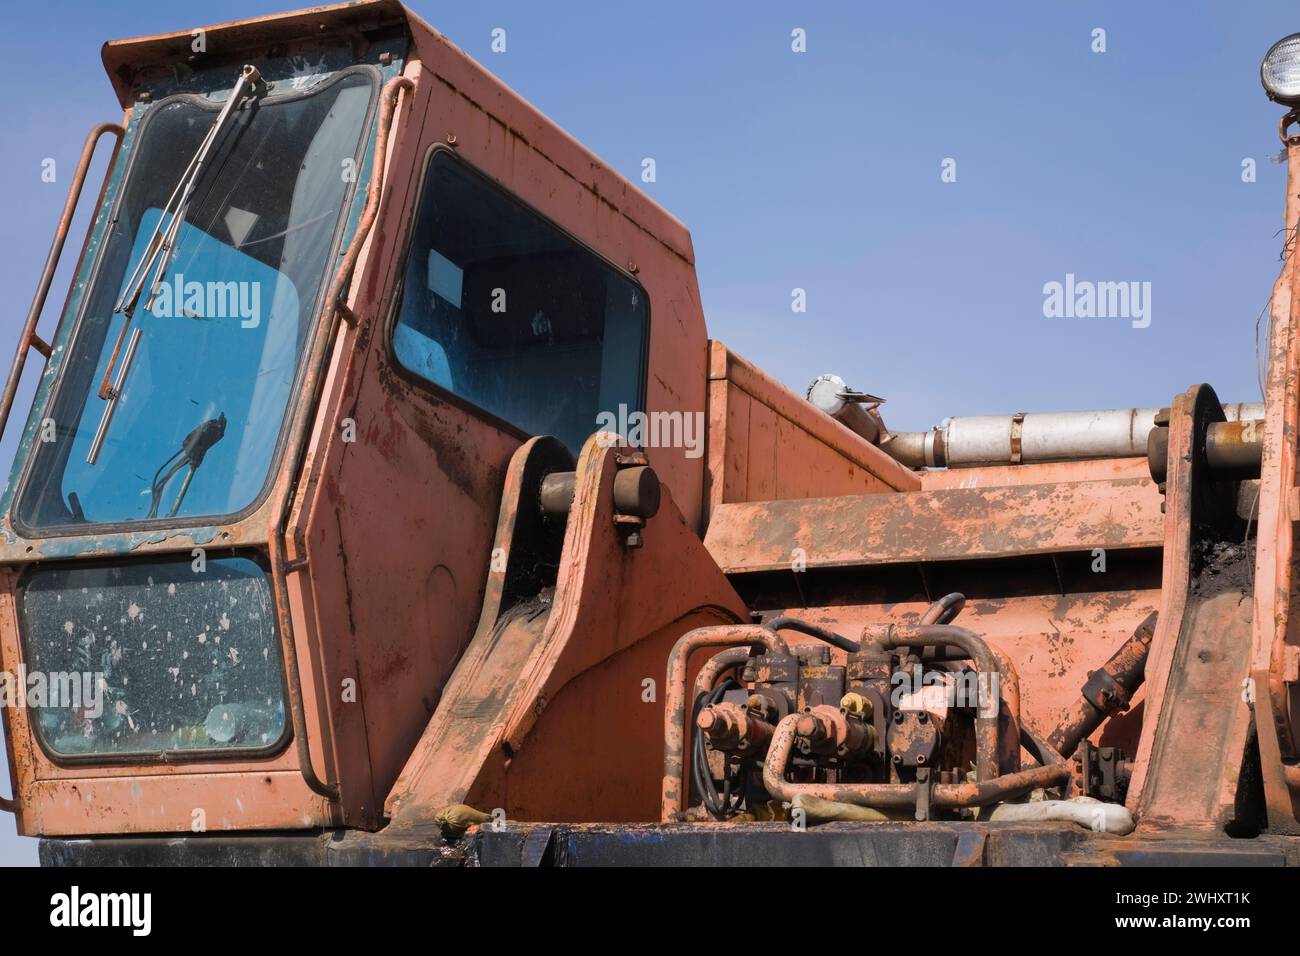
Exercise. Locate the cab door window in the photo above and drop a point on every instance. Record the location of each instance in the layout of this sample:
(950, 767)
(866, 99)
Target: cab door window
(505, 311)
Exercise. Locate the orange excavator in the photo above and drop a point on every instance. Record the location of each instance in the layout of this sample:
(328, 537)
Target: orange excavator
(384, 500)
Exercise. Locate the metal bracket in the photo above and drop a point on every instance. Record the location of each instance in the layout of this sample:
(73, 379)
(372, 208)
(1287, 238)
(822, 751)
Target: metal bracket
(1017, 433)
(1101, 773)
(923, 788)
(1293, 116)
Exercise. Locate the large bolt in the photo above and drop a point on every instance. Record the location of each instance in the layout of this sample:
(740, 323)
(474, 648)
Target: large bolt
(811, 727)
(636, 492)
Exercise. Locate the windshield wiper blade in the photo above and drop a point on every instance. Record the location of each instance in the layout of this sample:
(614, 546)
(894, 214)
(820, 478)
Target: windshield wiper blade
(158, 252)
(106, 419)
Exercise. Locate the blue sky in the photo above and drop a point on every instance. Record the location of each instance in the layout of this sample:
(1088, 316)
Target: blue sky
(821, 171)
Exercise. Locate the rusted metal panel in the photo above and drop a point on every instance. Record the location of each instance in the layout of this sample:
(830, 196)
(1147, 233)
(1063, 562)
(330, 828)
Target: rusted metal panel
(735, 466)
(800, 473)
(770, 443)
(124, 59)
(174, 803)
(724, 479)
(761, 452)
(311, 696)
(384, 601)
(532, 685)
(1196, 724)
(1205, 723)
(954, 524)
(1110, 469)
(1276, 628)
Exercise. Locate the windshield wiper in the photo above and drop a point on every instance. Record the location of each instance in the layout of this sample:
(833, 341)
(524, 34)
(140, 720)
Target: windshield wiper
(193, 449)
(159, 250)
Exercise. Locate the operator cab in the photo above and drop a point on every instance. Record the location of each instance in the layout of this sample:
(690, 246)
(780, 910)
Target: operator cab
(319, 308)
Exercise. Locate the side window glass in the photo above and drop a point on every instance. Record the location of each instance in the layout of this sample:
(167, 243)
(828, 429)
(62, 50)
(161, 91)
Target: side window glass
(504, 310)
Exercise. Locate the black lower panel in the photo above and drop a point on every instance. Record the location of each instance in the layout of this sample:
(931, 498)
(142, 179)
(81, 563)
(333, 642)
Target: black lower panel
(751, 844)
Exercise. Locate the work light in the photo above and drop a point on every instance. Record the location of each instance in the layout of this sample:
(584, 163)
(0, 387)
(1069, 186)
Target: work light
(1280, 71)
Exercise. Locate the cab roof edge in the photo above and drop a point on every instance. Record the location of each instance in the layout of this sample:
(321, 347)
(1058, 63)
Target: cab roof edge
(123, 58)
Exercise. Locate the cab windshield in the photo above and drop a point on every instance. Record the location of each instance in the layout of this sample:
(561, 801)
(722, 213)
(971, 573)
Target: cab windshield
(180, 415)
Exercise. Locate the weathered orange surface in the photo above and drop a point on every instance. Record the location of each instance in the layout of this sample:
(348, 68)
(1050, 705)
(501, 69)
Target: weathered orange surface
(383, 569)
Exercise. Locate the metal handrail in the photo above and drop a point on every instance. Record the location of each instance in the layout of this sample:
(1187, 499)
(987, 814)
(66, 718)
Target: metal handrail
(29, 339)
